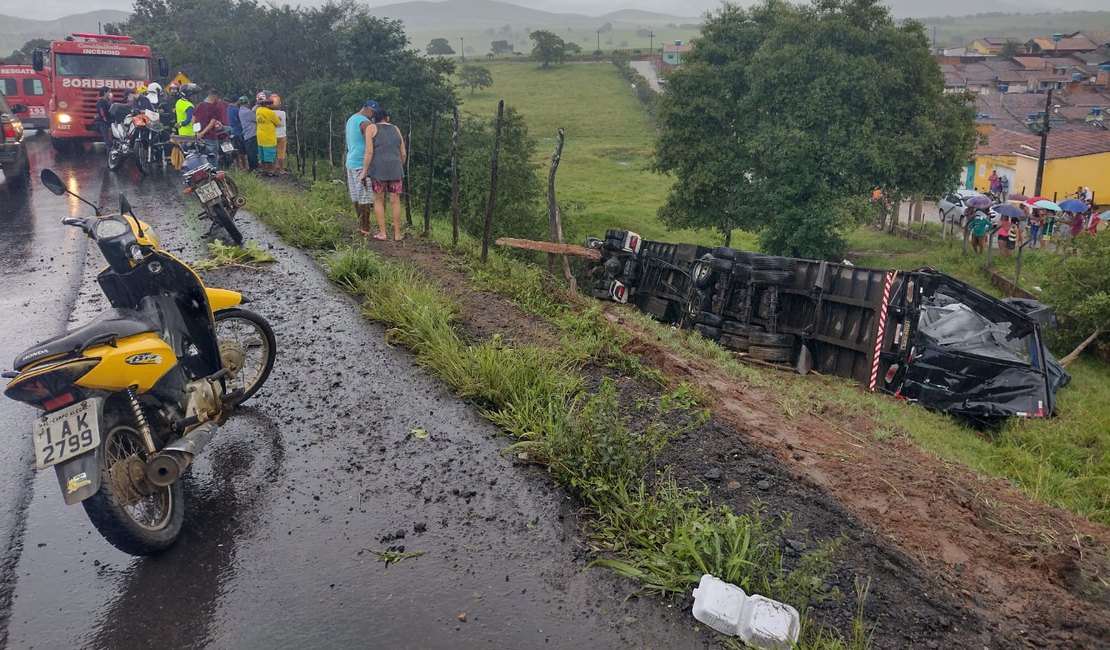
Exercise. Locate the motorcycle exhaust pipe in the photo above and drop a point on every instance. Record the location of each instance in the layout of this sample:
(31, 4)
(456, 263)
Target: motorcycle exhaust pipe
(171, 462)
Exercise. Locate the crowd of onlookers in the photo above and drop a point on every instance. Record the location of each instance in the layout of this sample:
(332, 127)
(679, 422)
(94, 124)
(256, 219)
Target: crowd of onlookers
(1034, 222)
(257, 127)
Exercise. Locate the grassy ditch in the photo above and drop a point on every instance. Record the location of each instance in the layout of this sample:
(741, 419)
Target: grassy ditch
(564, 412)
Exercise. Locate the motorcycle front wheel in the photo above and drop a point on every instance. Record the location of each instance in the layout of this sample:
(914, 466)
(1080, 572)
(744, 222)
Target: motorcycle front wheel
(219, 213)
(142, 158)
(115, 159)
(134, 515)
(247, 349)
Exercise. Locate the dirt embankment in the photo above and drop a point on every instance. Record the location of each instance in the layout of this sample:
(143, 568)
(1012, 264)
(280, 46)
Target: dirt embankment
(955, 560)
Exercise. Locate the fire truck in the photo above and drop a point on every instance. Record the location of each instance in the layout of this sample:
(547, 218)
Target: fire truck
(21, 84)
(79, 65)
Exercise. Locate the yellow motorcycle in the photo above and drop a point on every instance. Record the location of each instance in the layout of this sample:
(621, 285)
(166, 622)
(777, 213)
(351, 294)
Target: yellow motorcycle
(134, 396)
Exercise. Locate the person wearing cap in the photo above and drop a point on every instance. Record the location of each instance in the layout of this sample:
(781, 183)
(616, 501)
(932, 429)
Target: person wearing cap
(250, 132)
(385, 166)
(103, 119)
(236, 126)
(183, 113)
(358, 132)
(267, 122)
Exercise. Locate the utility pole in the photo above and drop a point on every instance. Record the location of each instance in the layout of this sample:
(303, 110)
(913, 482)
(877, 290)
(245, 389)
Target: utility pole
(462, 48)
(599, 42)
(651, 41)
(1044, 143)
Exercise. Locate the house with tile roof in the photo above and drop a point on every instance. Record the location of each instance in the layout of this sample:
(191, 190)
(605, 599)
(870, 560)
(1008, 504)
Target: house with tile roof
(1072, 158)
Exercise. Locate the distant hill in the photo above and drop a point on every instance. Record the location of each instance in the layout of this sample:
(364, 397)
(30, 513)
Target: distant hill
(421, 16)
(961, 30)
(15, 31)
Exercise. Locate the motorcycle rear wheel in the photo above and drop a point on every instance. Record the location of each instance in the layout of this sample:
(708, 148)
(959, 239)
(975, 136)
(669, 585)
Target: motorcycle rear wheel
(219, 213)
(247, 349)
(135, 516)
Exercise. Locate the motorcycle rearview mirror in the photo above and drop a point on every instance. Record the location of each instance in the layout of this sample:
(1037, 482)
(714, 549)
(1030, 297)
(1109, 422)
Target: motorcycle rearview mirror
(126, 209)
(51, 181)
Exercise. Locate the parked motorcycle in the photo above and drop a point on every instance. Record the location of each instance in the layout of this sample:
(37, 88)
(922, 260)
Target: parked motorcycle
(217, 192)
(132, 398)
(134, 135)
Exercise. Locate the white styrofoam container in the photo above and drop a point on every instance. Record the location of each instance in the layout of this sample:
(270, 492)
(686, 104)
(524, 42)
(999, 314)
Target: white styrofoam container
(758, 620)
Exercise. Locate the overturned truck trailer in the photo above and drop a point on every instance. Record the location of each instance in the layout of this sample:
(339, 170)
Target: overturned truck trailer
(920, 335)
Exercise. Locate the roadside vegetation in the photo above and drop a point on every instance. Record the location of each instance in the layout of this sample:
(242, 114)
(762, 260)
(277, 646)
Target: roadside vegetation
(561, 406)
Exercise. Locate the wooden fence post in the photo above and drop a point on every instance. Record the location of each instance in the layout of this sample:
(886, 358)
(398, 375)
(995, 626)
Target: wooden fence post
(492, 203)
(552, 207)
(431, 175)
(455, 178)
(331, 138)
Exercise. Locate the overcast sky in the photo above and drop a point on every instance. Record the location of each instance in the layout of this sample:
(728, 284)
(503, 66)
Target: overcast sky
(50, 9)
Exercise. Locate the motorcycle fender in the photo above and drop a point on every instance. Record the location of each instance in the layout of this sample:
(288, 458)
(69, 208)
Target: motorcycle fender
(222, 299)
(79, 477)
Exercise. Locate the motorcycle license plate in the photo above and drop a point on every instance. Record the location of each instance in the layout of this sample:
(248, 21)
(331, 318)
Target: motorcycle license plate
(226, 147)
(70, 432)
(207, 192)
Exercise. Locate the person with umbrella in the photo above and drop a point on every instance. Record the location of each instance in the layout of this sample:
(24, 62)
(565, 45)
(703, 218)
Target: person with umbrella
(1009, 224)
(979, 225)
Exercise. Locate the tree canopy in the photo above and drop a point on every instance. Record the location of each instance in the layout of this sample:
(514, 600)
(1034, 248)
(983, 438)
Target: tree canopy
(548, 48)
(475, 77)
(439, 46)
(784, 117)
(1079, 288)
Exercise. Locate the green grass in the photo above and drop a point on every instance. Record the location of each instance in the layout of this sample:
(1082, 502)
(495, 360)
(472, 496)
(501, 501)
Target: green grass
(604, 179)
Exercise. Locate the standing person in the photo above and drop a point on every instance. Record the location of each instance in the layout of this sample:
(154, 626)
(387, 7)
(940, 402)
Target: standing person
(103, 114)
(236, 127)
(250, 133)
(1036, 222)
(281, 133)
(995, 183)
(183, 111)
(1003, 186)
(267, 122)
(356, 163)
(1005, 236)
(210, 118)
(385, 165)
(979, 225)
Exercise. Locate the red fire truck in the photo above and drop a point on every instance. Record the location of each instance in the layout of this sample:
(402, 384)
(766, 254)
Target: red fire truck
(21, 84)
(79, 65)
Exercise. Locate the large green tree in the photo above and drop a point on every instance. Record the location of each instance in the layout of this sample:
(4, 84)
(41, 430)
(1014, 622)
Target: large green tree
(475, 77)
(784, 117)
(548, 47)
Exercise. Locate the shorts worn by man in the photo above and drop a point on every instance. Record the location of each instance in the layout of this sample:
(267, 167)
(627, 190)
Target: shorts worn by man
(360, 191)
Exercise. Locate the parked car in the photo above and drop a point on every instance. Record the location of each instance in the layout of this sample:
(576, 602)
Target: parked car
(13, 153)
(953, 204)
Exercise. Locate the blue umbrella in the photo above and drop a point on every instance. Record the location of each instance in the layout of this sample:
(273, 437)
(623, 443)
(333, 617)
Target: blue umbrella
(1049, 205)
(1073, 205)
(978, 202)
(1007, 210)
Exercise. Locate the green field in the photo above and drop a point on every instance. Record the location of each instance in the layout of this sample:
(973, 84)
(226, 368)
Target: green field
(603, 179)
(1064, 461)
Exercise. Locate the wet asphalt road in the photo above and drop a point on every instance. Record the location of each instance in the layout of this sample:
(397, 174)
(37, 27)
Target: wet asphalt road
(283, 504)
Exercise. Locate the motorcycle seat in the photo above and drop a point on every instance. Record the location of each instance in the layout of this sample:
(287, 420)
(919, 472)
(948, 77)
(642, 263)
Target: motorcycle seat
(111, 325)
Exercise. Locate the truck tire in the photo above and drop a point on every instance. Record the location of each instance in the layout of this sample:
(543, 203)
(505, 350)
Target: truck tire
(710, 319)
(721, 265)
(741, 272)
(734, 342)
(22, 180)
(724, 252)
(736, 328)
(774, 263)
(612, 267)
(711, 333)
(701, 272)
(777, 277)
(769, 340)
(745, 257)
(631, 271)
(771, 355)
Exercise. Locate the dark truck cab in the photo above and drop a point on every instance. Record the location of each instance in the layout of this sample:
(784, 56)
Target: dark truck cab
(920, 335)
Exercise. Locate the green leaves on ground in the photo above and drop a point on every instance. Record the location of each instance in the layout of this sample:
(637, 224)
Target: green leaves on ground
(784, 117)
(251, 257)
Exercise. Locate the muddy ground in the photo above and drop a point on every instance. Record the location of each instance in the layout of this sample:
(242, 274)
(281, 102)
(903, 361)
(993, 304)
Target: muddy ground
(955, 560)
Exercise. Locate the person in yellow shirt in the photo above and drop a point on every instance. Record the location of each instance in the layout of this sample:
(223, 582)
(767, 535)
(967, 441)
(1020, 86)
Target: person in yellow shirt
(268, 122)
